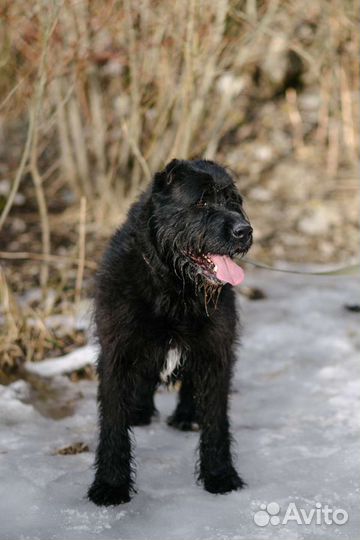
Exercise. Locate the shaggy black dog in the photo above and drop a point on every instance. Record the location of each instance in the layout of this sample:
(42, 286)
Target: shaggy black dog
(165, 311)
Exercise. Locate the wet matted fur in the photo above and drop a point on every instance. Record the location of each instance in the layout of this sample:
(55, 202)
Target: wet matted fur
(162, 314)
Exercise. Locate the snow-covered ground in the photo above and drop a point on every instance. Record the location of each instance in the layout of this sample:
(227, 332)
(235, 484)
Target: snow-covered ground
(295, 416)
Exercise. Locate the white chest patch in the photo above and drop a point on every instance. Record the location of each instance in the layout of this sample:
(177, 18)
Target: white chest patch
(172, 361)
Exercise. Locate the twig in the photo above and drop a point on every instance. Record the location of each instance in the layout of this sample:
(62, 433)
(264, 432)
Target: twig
(347, 114)
(11, 93)
(20, 255)
(79, 142)
(184, 132)
(44, 220)
(20, 171)
(67, 160)
(251, 9)
(30, 133)
(332, 162)
(136, 151)
(40, 195)
(324, 110)
(8, 305)
(135, 95)
(295, 120)
(82, 251)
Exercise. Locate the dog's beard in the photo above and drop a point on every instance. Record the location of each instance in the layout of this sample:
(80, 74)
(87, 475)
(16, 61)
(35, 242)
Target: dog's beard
(217, 268)
(207, 270)
(191, 261)
(204, 284)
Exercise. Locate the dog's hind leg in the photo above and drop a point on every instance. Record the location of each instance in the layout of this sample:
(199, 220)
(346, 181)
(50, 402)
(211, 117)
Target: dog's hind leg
(184, 416)
(212, 380)
(113, 479)
(143, 406)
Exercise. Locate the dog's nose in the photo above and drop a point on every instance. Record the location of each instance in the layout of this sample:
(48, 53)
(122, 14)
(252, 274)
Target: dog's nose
(242, 231)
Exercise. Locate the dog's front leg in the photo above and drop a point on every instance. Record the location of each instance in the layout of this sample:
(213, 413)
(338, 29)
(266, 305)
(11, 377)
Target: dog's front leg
(212, 379)
(113, 482)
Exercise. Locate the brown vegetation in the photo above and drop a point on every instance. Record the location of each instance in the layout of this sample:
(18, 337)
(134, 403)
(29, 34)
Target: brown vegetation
(95, 96)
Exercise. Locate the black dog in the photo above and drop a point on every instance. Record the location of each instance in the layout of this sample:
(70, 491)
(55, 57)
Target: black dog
(165, 310)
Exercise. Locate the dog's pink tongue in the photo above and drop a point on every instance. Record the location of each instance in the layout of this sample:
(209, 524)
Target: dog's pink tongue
(227, 270)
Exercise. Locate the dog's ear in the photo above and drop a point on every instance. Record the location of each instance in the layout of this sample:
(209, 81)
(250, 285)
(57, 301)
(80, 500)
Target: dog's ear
(170, 170)
(167, 175)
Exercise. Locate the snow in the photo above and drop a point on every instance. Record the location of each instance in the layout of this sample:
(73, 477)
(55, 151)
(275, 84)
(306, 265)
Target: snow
(77, 359)
(295, 417)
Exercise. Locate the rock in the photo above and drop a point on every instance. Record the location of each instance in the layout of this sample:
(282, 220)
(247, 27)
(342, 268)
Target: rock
(319, 220)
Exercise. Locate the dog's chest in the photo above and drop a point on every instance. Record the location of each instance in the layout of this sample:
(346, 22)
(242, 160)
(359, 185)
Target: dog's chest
(172, 361)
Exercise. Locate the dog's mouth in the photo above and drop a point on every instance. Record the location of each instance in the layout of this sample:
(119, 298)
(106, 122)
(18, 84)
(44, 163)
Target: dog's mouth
(218, 269)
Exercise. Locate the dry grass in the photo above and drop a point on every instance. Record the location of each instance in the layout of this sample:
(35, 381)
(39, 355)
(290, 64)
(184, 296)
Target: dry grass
(94, 97)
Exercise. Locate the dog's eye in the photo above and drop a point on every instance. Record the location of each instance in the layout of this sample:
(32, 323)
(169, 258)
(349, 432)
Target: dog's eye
(201, 203)
(235, 205)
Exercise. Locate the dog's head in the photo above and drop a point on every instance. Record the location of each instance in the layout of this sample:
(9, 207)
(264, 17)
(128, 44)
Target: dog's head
(198, 221)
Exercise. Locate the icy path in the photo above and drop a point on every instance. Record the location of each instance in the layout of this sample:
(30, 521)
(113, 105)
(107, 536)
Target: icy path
(295, 415)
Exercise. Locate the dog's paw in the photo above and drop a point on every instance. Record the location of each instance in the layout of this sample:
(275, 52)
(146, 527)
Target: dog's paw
(104, 494)
(224, 482)
(182, 423)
